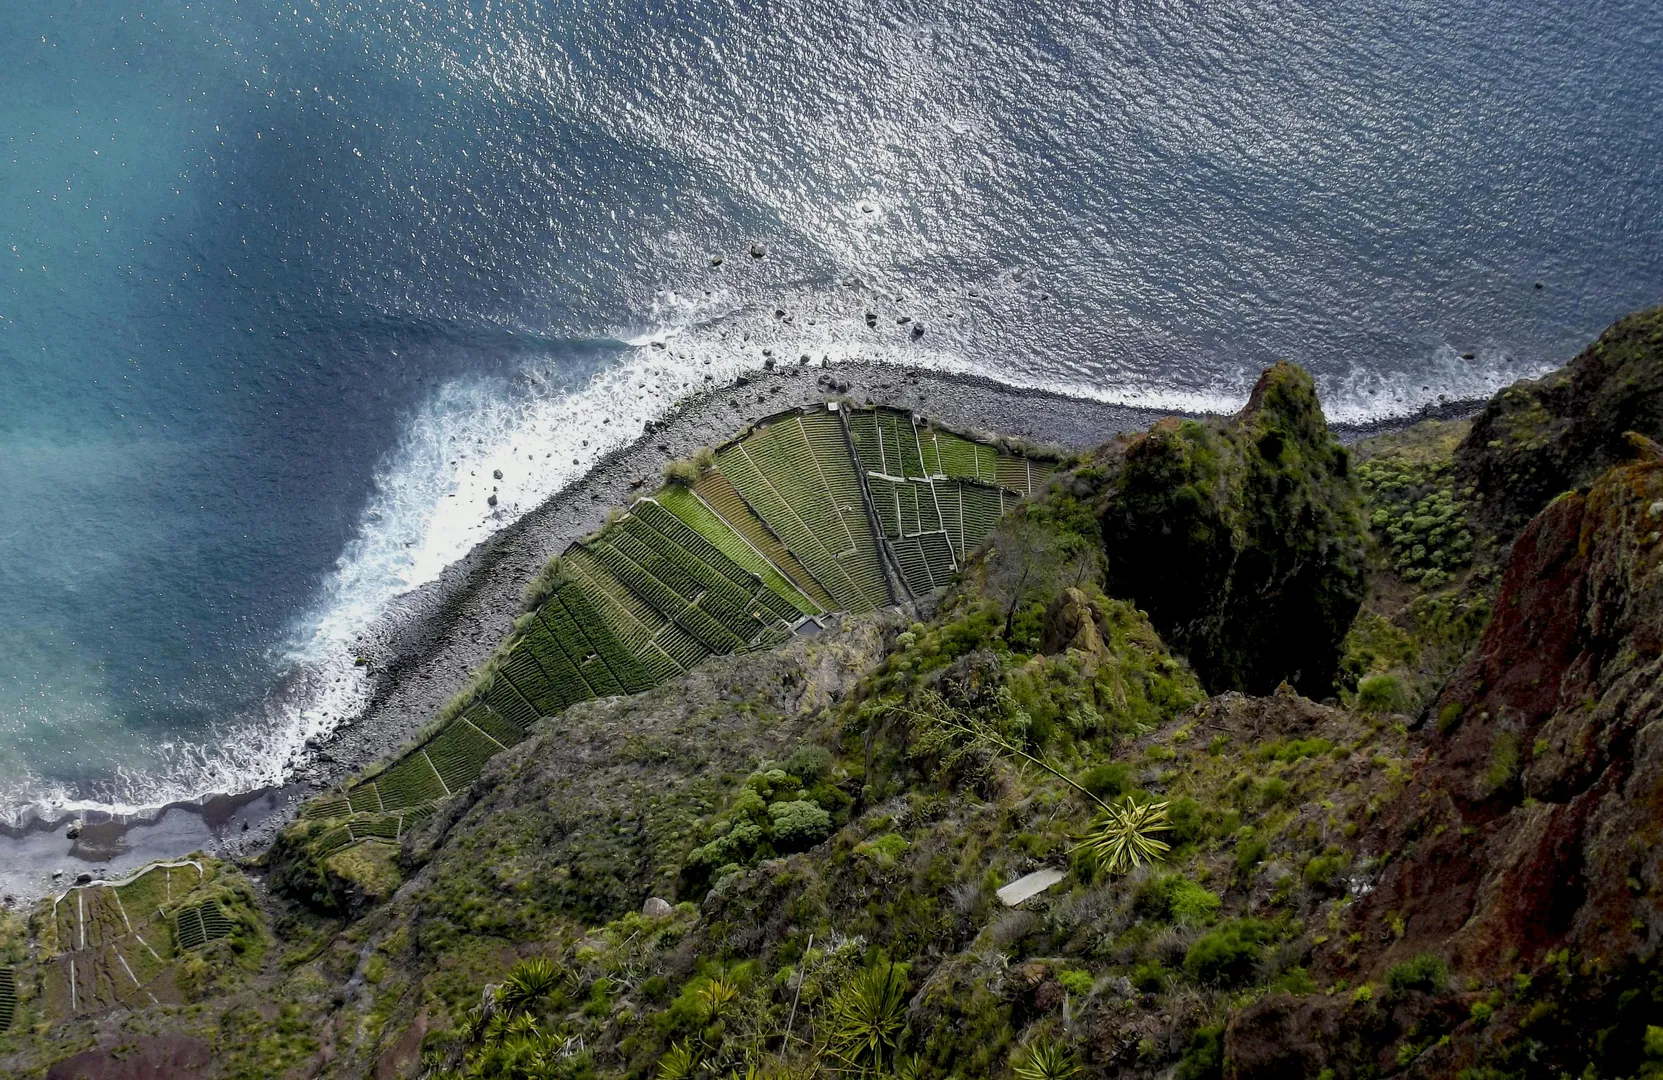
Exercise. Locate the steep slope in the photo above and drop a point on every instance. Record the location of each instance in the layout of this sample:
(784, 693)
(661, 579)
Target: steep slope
(1538, 438)
(1241, 539)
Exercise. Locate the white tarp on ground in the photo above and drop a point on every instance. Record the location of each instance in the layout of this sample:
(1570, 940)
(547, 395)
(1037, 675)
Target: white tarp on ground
(1031, 885)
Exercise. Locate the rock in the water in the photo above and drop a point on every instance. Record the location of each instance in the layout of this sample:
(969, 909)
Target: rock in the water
(917, 331)
(496, 474)
(715, 260)
(758, 250)
(656, 907)
(492, 501)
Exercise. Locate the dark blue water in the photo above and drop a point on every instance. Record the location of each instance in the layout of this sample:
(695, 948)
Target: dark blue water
(281, 284)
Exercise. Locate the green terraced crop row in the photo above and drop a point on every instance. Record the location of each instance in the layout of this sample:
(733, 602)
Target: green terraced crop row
(694, 515)
(717, 492)
(385, 826)
(8, 997)
(781, 529)
(196, 926)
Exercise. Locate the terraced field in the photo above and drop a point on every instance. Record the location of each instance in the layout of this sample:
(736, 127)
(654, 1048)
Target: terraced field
(8, 998)
(112, 945)
(936, 494)
(807, 513)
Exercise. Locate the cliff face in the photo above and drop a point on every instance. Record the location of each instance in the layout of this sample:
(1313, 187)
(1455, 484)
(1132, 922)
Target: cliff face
(1539, 438)
(1242, 539)
(1523, 853)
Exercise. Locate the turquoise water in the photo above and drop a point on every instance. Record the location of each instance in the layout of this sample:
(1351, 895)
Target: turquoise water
(282, 284)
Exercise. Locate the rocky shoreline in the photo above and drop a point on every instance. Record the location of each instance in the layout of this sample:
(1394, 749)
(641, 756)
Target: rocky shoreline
(422, 651)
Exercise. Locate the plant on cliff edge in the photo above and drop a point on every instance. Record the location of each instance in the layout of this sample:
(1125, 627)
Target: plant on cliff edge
(1046, 1060)
(1120, 837)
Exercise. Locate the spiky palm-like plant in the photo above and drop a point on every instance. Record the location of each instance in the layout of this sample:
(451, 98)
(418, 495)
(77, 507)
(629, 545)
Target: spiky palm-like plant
(680, 1062)
(867, 1016)
(527, 982)
(716, 995)
(1122, 837)
(472, 1026)
(1046, 1060)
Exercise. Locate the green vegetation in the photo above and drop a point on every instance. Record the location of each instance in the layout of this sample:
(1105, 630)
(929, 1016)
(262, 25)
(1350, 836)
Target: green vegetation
(1422, 972)
(724, 849)
(1417, 513)
(740, 545)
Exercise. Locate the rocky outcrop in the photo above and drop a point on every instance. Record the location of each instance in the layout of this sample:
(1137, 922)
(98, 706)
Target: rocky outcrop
(1525, 849)
(1542, 437)
(1242, 539)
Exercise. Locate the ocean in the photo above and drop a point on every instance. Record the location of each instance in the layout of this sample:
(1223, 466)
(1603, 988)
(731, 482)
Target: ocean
(284, 285)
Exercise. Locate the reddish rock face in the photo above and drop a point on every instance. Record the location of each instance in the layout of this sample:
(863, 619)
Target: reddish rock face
(1532, 821)
(1519, 834)
(165, 1058)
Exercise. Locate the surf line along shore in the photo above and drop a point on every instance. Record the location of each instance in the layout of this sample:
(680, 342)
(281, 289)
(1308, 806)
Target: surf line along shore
(422, 651)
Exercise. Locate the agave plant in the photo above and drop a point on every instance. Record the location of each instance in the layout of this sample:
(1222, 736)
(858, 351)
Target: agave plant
(528, 981)
(1122, 837)
(867, 1016)
(680, 1062)
(472, 1026)
(1045, 1060)
(717, 995)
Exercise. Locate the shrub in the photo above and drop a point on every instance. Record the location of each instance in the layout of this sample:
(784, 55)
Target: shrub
(544, 585)
(1189, 823)
(1227, 956)
(1321, 871)
(1449, 718)
(882, 850)
(1076, 981)
(1177, 898)
(1250, 852)
(1107, 781)
(1275, 790)
(685, 473)
(1381, 693)
(809, 764)
(1204, 1057)
(1504, 763)
(1149, 976)
(1423, 972)
(799, 825)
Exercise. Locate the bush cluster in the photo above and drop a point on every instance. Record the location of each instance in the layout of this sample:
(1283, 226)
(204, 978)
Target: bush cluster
(1416, 510)
(775, 813)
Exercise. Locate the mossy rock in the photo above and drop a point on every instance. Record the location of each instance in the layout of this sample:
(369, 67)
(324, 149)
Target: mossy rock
(1538, 438)
(1243, 539)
